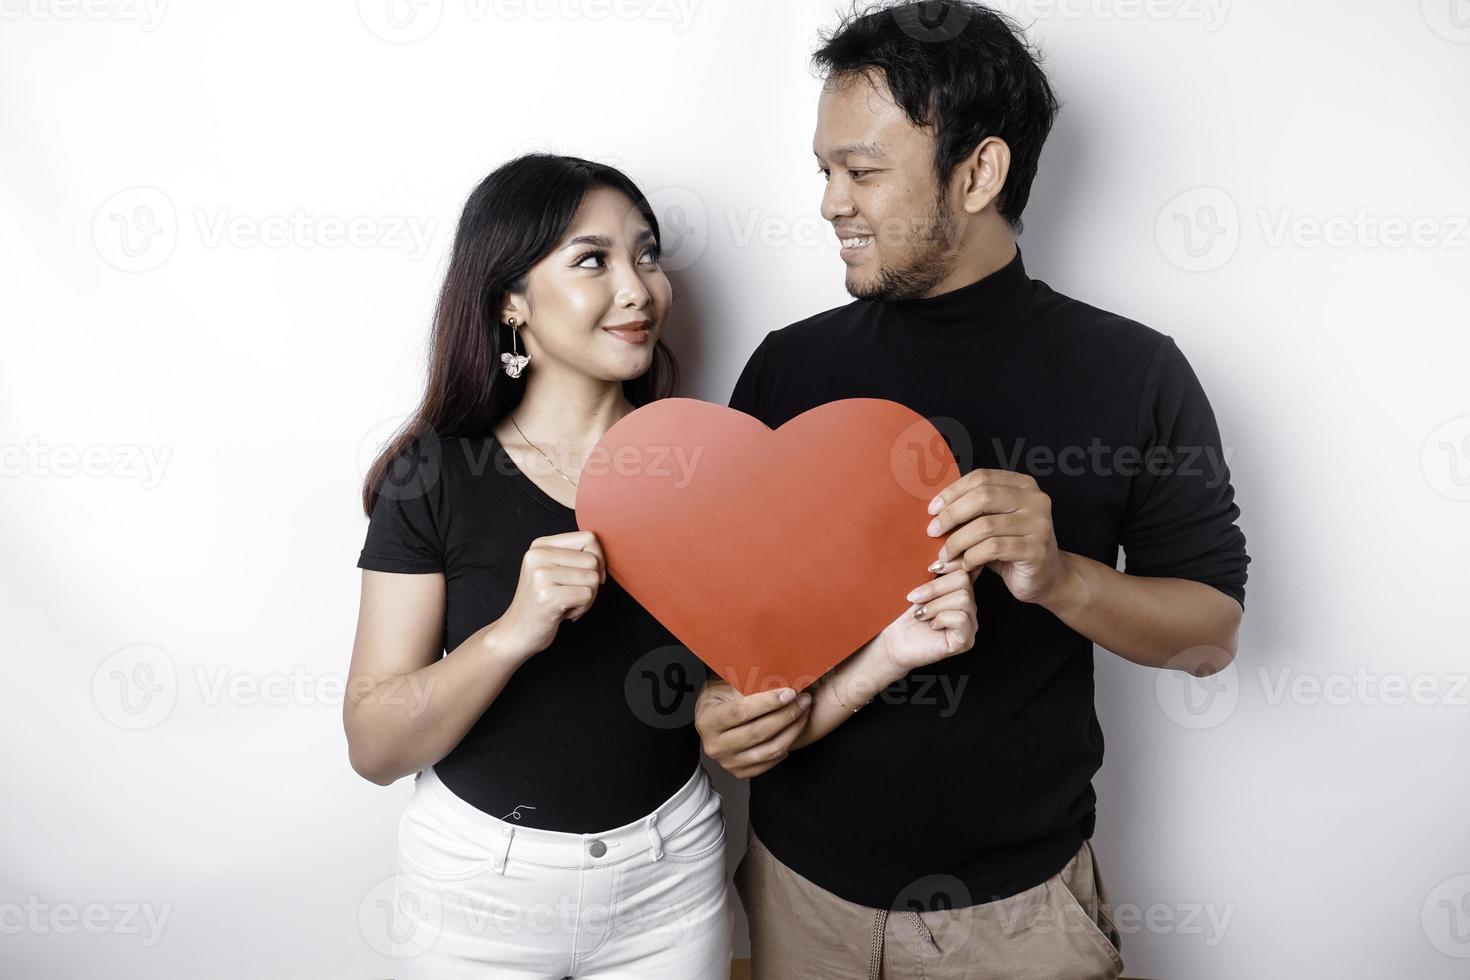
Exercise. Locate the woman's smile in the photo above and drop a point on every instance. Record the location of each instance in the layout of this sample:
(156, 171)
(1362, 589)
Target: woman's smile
(632, 331)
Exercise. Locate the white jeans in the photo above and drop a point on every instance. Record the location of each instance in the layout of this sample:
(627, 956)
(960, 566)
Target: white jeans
(479, 897)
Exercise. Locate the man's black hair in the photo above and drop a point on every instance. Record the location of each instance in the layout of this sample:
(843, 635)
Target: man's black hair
(961, 68)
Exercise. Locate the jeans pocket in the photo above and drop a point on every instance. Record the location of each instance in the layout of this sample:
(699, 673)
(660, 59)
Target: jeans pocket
(1075, 920)
(701, 837)
(1104, 903)
(438, 850)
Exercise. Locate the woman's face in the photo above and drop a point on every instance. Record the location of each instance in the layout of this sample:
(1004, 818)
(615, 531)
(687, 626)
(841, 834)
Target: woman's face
(598, 302)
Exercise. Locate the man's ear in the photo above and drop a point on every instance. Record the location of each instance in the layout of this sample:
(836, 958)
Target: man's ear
(982, 174)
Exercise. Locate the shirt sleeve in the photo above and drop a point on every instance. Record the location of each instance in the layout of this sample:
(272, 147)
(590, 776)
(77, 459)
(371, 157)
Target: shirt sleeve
(749, 387)
(1179, 521)
(403, 533)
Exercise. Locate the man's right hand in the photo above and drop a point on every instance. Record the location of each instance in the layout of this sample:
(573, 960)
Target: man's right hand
(747, 735)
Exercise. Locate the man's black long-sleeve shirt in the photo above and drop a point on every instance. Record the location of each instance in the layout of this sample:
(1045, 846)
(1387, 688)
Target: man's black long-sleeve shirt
(971, 779)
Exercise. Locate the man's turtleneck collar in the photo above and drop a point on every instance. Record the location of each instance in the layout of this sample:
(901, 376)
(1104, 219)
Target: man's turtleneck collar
(969, 310)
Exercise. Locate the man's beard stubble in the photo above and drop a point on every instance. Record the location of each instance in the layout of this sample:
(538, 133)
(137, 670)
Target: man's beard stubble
(931, 261)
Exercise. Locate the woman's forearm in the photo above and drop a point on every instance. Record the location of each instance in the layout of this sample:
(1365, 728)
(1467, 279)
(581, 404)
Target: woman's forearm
(402, 724)
(841, 692)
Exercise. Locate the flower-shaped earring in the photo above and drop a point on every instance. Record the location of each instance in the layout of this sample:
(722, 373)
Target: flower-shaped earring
(514, 363)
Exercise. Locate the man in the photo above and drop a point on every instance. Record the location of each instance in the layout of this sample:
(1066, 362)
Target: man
(943, 830)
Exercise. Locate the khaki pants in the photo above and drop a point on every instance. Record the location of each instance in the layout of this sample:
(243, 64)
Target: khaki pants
(1061, 929)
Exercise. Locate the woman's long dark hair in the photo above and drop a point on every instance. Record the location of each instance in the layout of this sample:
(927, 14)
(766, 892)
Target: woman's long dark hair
(512, 220)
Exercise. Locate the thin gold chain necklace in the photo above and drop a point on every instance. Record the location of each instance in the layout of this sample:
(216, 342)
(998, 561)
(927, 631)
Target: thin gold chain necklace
(539, 450)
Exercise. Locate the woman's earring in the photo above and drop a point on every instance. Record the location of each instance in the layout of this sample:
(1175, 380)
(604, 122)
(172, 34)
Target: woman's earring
(514, 363)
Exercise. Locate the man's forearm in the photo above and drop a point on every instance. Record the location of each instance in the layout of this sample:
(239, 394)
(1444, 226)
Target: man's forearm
(1156, 622)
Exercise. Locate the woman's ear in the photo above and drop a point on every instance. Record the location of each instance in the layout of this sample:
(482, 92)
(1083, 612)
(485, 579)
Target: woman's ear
(512, 310)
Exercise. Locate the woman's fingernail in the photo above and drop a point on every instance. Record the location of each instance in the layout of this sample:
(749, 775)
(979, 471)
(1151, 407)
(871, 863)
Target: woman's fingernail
(786, 695)
(936, 505)
(933, 528)
(919, 613)
(914, 595)
(805, 700)
(936, 567)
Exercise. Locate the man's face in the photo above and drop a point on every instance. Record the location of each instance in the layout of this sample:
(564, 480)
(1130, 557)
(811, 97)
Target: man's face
(882, 197)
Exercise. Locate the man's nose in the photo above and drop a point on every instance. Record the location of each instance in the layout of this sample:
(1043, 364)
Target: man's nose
(835, 200)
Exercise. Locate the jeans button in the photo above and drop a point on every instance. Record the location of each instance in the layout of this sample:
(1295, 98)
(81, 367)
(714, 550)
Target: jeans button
(598, 848)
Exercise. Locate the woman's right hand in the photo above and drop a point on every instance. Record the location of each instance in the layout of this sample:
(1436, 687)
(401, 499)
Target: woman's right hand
(560, 575)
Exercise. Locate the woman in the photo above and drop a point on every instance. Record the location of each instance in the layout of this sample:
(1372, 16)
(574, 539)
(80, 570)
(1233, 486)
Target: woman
(561, 824)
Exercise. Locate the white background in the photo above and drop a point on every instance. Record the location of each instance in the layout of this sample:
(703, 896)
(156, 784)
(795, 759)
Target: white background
(195, 367)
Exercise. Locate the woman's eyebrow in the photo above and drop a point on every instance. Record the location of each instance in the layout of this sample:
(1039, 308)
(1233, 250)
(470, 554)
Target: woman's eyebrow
(602, 241)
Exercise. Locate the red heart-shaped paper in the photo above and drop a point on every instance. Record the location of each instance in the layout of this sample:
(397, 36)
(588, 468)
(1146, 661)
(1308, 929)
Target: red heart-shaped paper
(773, 556)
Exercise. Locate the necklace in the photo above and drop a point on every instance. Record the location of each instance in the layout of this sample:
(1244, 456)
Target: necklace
(539, 450)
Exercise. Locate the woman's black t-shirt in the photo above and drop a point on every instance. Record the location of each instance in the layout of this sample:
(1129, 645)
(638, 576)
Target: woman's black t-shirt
(589, 734)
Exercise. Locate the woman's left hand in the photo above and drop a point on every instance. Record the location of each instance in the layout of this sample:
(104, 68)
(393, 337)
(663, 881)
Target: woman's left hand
(945, 623)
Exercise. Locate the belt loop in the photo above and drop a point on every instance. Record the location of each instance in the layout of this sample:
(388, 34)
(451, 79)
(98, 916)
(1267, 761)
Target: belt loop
(501, 853)
(656, 843)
